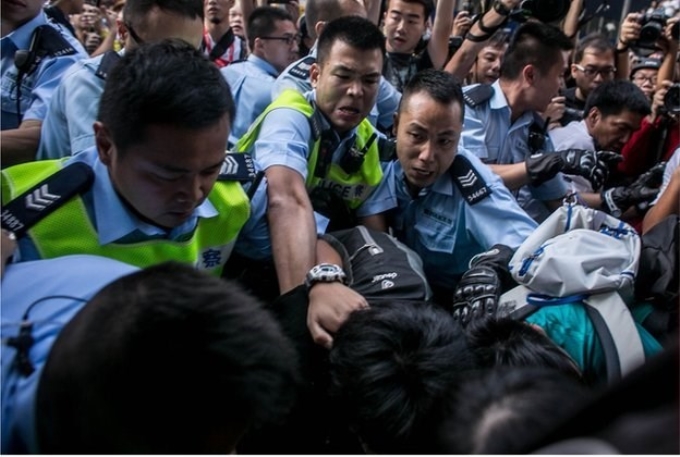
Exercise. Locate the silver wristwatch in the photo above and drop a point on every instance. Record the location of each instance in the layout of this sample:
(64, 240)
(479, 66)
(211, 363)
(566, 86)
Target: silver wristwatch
(325, 272)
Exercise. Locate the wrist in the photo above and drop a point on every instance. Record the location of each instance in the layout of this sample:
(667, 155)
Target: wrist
(325, 273)
(502, 8)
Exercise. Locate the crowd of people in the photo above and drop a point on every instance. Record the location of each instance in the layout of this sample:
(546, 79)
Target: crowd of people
(396, 226)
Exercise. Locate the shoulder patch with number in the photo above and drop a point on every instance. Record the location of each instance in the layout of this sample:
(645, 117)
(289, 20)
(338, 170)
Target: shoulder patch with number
(478, 95)
(468, 180)
(301, 69)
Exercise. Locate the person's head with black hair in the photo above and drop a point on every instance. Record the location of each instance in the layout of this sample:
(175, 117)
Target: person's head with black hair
(320, 12)
(162, 126)
(487, 66)
(346, 75)
(390, 365)
(506, 342)
(405, 24)
(167, 360)
(272, 36)
(150, 21)
(505, 410)
(428, 126)
(593, 63)
(533, 66)
(613, 111)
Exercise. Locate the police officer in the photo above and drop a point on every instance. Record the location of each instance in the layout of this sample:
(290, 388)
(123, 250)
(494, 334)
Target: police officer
(449, 207)
(272, 36)
(34, 55)
(157, 186)
(297, 76)
(503, 129)
(67, 129)
(318, 150)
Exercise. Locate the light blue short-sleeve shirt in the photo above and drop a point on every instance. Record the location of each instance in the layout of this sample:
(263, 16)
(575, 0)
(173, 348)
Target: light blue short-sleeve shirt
(251, 83)
(79, 277)
(68, 130)
(489, 134)
(37, 87)
(444, 229)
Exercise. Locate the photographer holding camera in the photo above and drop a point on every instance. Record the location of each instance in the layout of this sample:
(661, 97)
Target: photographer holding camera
(659, 133)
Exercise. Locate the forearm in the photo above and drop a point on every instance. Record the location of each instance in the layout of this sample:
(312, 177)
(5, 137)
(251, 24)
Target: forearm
(438, 47)
(668, 203)
(20, 145)
(293, 234)
(592, 199)
(373, 11)
(570, 26)
(107, 44)
(513, 175)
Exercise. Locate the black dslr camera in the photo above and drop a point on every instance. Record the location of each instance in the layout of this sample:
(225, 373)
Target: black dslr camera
(653, 24)
(544, 10)
(671, 101)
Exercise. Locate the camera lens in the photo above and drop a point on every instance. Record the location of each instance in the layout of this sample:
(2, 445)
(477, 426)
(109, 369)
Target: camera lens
(547, 10)
(672, 99)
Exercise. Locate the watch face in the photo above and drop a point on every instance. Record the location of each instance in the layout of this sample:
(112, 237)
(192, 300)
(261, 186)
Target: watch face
(325, 273)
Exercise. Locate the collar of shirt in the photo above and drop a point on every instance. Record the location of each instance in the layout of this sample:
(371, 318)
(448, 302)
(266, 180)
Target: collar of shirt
(443, 185)
(499, 102)
(21, 37)
(263, 65)
(115, 221)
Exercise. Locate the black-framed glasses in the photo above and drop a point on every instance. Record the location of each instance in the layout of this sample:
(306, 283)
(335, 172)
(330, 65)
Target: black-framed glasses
(605, 72)
(289, 39)
(133, 34)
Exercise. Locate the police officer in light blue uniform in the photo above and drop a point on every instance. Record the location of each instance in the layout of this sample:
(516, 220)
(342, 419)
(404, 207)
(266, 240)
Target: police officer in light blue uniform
(34, 54)
(296, 76)
(499, 118)
(446, 204)
(67, 129)
(39, 298)
(272, 37)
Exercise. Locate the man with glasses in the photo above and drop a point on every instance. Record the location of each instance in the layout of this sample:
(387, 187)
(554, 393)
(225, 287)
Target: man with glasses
(67, 129)
(593, 64)
(272, 37)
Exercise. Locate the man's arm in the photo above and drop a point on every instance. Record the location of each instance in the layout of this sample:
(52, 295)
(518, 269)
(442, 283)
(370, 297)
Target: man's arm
(570, 25)
(21, 144)
(668, 203)
(513, 175)
(438, 46)
(628, 33)
(292, 226)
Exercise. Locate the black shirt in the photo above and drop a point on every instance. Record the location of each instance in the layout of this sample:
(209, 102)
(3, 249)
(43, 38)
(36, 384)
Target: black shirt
(399, 68)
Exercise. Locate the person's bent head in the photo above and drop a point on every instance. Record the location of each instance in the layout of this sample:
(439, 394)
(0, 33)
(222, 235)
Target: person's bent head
(347, 72)
(390, 365)
(536, 62)
(613, 111)
(150, 21)
(167, 360)
(428, 126)
(163, 121)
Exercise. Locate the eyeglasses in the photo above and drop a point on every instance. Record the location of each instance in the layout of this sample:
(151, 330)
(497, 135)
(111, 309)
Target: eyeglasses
(289, 39)
(592, 71)
(133, 34)
(643, 78)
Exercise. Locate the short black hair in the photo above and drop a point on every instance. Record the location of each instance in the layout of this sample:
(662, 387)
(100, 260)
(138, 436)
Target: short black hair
(442, 86)
(534, 43)
(167, 83)
(511, 343)
(390, 364)
(614, 97)
(428, 6)
(262, 22)
(135, 10)
(596, 41)
(506, 410)
(355, 31)
(167, 360)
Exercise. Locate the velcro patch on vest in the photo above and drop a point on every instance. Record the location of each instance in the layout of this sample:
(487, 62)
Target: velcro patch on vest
(478, 95)
(301, 69)
(110, 59)
(468, 180)
(29, 208)
(237, 167)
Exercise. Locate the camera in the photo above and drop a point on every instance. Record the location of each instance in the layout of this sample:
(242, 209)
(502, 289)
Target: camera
(652, 29)
(544, 10)
(671, 101)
